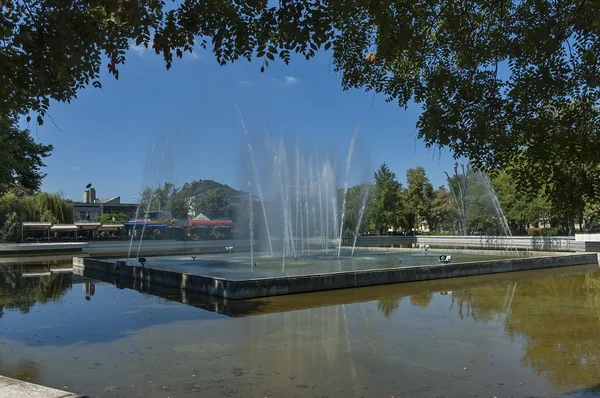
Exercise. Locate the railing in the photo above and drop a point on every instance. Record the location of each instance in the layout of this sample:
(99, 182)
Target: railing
(545, 243)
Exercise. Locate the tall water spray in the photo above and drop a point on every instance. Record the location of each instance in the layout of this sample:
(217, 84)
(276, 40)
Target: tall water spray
(498, 208)
(137, 209)
(301, 198)
(150, 199)
(254, 168)
(251, 226)
(361, 214)
(348, 161)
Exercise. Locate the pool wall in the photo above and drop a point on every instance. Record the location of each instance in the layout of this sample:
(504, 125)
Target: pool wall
(275, 286)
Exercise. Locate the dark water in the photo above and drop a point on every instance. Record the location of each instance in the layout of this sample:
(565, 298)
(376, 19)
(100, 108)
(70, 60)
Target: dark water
(534, 333)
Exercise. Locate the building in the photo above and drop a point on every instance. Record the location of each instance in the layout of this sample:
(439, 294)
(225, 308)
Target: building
(89, 195)
(91, 208)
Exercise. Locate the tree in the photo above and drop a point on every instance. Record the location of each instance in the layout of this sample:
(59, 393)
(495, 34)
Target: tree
(386, 208)
(116, 218)
(488, 89)
(46, 207)
(520, 208)
(419, 195)
(443, 213)
(214, 204)
(11, 231)
(356, 197)
(22, 158)
(9, 203)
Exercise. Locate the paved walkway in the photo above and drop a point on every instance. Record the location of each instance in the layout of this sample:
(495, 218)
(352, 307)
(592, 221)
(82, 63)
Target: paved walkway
(11, 388)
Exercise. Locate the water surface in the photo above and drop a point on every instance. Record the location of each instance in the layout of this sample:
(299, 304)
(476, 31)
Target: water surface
(237, 265)
(534, 333)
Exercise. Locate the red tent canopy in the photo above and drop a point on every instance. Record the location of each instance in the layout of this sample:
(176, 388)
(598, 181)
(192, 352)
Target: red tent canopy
(210, 223)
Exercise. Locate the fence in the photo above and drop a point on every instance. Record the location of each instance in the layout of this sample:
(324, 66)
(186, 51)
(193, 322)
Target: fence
(538, 243)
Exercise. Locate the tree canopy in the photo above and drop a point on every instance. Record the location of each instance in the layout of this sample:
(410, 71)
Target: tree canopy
(21, 158)
(495, 78)
(503, 83)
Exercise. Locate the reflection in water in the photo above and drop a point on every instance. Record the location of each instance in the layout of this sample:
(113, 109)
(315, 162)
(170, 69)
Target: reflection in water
(520, 334)
(421, 300)
(89, 288)
(17, 292)
(558, 318)
(388, 305)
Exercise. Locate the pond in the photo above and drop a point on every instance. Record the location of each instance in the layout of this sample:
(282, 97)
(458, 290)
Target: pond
(534, 333)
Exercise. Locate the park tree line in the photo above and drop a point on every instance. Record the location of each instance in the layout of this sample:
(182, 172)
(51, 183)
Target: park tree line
(471, 202)
(467, 204)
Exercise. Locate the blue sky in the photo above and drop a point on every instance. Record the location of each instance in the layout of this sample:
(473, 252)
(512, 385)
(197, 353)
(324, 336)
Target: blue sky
(105, 136)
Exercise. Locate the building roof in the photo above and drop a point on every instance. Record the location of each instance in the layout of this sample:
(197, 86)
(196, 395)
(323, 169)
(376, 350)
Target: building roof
(201, 217)
(43, 226)
(64, 227)
(110, 227)
(143, 223)
(87, 225)
(110, 201)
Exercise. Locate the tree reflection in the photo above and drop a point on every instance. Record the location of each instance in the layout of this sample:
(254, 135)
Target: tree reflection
(388, 305)
(21, 293)
(480, 304)
(558, 318)
(421, 300)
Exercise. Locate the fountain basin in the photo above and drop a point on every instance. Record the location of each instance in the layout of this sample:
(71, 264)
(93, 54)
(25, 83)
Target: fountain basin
(263, 286)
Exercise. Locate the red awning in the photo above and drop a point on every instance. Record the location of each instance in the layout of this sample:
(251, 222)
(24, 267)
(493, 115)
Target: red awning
(210, 223)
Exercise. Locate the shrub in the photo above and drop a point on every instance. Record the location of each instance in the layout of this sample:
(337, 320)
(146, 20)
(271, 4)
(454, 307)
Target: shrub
(544, 231)
(11, 232)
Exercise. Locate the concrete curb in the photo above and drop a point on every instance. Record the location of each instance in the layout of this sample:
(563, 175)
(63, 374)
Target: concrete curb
(275, 286)
(13, 388)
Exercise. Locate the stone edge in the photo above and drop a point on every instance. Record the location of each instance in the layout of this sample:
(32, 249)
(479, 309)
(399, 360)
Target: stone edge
(275, 286)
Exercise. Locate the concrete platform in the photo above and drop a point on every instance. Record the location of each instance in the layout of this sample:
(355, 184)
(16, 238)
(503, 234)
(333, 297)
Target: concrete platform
(270, 305)
(293, 284)
(12, 388)
(36, 248)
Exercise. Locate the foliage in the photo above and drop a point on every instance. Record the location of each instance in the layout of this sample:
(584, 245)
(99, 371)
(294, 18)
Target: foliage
(46, 207)
(544, 231)
(42, 206)
(116, 218)
(519, 207)
(458, 186)
(387, 204)
(22, 157)
(9, 203)
(419, 197)
(11, 231)
(216, 234)
(214, 204)
(355, 198)
(488, 89)
(21, 293)
(443, 213)
(211, 198)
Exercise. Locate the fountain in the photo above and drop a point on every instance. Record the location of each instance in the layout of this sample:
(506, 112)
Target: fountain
(162, 156)
(299, 194)
(501, 216)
